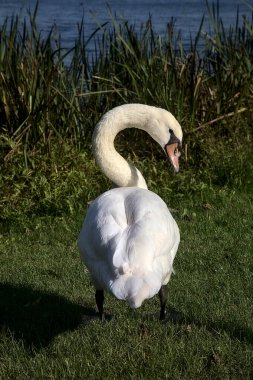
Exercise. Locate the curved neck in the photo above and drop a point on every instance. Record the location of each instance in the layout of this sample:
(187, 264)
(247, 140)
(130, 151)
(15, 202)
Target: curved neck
(155, 121)
(114, 166)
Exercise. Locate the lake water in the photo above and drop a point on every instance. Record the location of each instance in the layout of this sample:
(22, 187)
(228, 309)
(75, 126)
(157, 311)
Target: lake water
(66, 14)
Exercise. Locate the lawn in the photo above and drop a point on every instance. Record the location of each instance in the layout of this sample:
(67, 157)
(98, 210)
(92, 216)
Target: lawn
(46, 296)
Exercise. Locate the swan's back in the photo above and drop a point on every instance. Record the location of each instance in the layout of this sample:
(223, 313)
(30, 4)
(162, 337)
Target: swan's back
(128, 242)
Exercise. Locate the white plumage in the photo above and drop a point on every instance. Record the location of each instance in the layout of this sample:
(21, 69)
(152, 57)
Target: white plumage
(129, 238)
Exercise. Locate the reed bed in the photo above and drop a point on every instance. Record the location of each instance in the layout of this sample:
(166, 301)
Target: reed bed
(48, 107)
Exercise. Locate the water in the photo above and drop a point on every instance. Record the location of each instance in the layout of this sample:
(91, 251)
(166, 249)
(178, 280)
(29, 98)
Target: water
(66, 14)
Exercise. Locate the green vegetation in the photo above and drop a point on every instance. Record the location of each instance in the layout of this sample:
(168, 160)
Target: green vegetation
(48, 109)
(47, 113)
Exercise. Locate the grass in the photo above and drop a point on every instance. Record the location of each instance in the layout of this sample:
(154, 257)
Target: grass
(45, 291)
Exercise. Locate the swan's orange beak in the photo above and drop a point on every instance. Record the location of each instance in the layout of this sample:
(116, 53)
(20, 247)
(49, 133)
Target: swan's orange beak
(173, 154)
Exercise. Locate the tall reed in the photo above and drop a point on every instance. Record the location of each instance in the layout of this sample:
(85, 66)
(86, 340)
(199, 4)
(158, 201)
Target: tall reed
(51, 98)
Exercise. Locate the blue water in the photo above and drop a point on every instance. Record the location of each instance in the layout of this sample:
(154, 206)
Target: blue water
(66, 14)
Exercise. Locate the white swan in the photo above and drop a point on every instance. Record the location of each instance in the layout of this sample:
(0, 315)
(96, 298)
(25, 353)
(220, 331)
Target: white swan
(129, 238)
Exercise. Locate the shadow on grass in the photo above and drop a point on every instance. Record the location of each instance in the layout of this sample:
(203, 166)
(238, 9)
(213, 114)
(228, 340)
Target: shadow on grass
(36, 317)
(231, 328)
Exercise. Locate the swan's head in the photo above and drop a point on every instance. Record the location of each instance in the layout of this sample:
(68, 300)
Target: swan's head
(168, 133)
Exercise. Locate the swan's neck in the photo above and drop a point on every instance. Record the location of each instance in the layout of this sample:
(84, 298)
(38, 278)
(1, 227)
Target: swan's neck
(114, 166)
(155, 121)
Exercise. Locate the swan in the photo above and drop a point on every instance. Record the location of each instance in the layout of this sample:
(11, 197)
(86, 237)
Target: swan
(129, 238)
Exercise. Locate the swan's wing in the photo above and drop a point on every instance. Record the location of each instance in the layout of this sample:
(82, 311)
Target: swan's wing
(100, 234)
(129, 232)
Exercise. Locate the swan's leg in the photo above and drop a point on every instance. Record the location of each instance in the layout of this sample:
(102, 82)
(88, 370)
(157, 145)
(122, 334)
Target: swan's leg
(99, 296)
(163, 296)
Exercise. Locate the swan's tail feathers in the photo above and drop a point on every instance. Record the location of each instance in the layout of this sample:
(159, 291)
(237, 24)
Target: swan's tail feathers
(135, 289)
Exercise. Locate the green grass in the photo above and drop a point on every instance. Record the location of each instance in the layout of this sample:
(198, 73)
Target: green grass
(45, 291)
